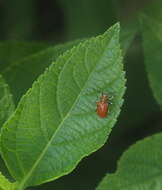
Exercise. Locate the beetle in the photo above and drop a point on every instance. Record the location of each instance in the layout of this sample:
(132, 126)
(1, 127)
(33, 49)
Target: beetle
(102, 106)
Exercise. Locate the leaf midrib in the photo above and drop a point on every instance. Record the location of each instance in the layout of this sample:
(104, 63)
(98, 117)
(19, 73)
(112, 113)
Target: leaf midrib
(53, 136)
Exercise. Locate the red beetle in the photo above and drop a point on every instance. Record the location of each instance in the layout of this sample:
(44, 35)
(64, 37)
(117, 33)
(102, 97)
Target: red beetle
(102, 106)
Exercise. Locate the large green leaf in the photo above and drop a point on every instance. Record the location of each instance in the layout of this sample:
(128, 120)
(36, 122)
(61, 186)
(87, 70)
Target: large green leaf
(6, 102)
(139, 168)
(152, 44)
(21, 74)
(55, 124)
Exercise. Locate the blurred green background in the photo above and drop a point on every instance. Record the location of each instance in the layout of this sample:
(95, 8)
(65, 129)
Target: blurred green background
(55, 21)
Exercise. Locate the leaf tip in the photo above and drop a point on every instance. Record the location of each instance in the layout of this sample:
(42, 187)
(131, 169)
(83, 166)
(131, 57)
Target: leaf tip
(116, 27)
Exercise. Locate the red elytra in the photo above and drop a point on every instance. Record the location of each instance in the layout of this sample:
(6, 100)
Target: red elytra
(102, 106)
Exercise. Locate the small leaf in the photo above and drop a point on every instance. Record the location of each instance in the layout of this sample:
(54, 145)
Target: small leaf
(152, 44)
(55, 124)
(5, 184)
(6, 102)
(139, 168)
(32, 65)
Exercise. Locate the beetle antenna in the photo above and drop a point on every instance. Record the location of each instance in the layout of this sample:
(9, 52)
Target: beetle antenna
(111, 97)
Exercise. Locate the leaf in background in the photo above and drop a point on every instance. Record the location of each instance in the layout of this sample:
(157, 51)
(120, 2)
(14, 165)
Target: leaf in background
(14, 51)
(21, 74)
(139, 167)
(55, 124)
(152, 45)
(6, 109)
(5, 184)
(128, 32)
(6, 102)
(154, 9)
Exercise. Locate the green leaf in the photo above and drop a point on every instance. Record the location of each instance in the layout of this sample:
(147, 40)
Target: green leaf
(55, 124)
(154, 9)
(32, 65)
(152, 44)
(6, 102)
(139, 168)
(128, 32)
(5, 184)
(14, 51)
(6, 109)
